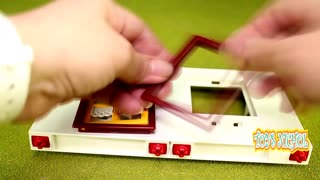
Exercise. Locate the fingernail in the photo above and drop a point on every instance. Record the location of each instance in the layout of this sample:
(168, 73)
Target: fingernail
(237, 43)
(149, 105)
(135, 113)
(159, 71)
(161, 68)
(140, 111)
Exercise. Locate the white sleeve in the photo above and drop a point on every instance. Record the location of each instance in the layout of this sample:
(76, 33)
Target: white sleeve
(15, 71)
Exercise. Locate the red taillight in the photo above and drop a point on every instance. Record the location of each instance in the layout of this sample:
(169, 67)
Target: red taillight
(40, 141)
(157, 148)
(299, 156)
(181, 150)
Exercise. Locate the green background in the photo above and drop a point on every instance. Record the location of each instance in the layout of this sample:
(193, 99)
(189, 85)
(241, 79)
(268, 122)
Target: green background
(172, 21)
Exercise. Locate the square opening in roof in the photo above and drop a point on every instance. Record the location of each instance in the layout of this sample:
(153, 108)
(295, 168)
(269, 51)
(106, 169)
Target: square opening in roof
(219, 100)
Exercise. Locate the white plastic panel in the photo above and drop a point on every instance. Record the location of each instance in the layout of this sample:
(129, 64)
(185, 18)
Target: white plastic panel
(223, 143)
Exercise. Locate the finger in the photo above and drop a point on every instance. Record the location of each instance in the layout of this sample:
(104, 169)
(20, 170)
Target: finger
(141, 70)
(120, 98)
(163, 93)
(137, 33)
(147, 43)
(272, 22)
(269, 55)
(235, 44)
(263, 87)
(127, 103)
(130, 102)
(137, 94)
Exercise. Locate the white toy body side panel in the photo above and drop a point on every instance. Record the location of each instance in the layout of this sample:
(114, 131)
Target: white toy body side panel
(224, 142)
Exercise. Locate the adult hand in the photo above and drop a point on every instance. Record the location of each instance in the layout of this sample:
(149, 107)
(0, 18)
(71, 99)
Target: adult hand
(82, 47)
(283, 38)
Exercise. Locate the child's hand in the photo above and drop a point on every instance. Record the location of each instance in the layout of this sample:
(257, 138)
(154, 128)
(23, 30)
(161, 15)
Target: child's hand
(285, 39)
(81, 47)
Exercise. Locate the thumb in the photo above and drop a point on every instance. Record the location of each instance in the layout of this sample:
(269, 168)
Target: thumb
(267, 54)
(142, 69)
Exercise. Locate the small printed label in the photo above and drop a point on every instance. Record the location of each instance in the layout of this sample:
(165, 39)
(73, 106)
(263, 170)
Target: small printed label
(286, 140)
